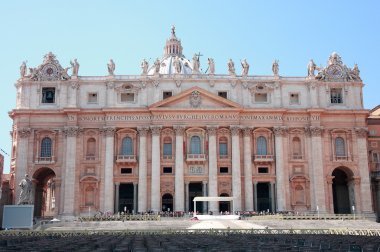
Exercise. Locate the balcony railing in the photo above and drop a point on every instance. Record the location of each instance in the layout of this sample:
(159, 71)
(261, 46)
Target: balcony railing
(45, 160)
(341, 158)
(90, 158)
(297, 157)
(167, 157)
(126, 158)
(263, 158)
(196, 157)
(223, 156)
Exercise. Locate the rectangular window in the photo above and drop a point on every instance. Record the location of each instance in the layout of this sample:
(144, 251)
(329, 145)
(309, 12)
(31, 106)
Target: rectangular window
(262, 170)
(223, 169)
(126, 170)
(336, 95)
(167, 94)
(223, 151)
(168, 170)
(127, 97)
(261, 97)
(92, 97)
(372, 132)
(375, 157)
(48, 95)
(222, 94)
(167, 149)
(294, 98)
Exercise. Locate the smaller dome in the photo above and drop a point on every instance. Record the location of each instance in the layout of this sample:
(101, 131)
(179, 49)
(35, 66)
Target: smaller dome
(168, 65)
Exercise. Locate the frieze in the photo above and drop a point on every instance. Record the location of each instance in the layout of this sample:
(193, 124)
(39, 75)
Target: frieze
(24, 132)
(361, 132)
(156, 129)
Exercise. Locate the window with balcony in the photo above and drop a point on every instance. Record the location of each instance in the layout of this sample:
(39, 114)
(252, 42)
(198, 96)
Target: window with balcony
(46, 149)
(223, 148)
(168, 148)
(195, 145)
(340, 148)
(297, 153)
(127, 146)
(261, 146)
(91, 149)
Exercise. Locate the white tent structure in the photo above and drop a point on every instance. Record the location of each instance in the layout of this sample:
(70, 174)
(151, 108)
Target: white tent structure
(196, 199)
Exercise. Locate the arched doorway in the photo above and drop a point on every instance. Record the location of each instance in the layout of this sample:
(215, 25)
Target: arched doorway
(343, 191)
(224, 206)
(44, 194)
(167, 202)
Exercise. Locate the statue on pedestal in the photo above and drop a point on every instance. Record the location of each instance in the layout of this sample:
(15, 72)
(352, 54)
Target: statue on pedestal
(311, 68)
(157, 66)
(177, 65)
(23, 69)
(211, 66)
(196, 63)
(245, 66)
(231, 67)
(144, 67)
(26, 191)
(75, 67)
(275, 68)
(111, 67)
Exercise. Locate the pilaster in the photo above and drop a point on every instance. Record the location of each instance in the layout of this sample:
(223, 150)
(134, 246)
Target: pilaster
(142, 191)
(280, 177)
(212, 167)
(236, 174)
(179, 179)
(108, 186)
(156, 169)
(248, 169)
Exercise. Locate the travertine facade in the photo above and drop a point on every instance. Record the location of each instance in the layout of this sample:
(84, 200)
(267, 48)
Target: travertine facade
(156, 140)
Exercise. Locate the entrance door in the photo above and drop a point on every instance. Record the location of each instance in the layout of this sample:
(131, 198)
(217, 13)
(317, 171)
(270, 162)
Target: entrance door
(263, 197)
(195, 189)
(224, 206)
(167, 202)
(44, 195)
(340, 192)
(126, 197)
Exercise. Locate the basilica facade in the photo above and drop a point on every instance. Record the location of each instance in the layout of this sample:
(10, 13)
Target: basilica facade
(153, 142)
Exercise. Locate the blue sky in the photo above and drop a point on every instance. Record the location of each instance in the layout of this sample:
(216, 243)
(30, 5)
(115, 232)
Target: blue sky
(94, 31)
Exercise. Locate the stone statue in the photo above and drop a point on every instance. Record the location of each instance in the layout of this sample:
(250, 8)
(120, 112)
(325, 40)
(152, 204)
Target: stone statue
(211, 66)
(196, 64)
(245, 66)
(177, 64)
(157, 66)
(26, 191)
(111, 67)
(33, 73)
(64, 73)
(23, 69)
(275, 67)
(75, 67)
(144, 66)
(231, 67)
(311, 68)
(354, 74)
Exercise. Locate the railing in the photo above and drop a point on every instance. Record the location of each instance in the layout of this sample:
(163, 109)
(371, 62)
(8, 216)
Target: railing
(223, 156)
(263, 157)
(196, 157)
(341, 158)
(126, 158)
(45, 160)
(167, 157)
(297, 157)
(90, 158)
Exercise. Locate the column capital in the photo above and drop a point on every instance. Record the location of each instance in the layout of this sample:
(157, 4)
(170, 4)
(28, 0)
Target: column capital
(156, 129)
(117, 183)
(280, 130)
(235, 130)
(356, 180)
(72, 131)
(24, 132)
(247, 131)
(143, 130)
(314, 130)
(361, 131)
(108, 131)
(204, 182)
(179, 129)
(211, 130)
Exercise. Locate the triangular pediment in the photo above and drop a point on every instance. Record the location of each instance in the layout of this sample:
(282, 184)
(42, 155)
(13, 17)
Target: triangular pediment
(195, 98)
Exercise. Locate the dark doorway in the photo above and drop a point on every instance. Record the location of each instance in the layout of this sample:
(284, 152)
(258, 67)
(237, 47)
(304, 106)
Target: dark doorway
(44, 195)
(340, 192)
(167, 202)
(263, 197)
(126, 198)
(195, 189)
(224, 206)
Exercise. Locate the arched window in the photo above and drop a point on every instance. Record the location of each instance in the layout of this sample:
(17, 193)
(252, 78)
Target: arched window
(223, 149)
(127, 146)
(297, 146)
(340, 149)
(195, 145)
(261, 145)
(168, 150)
(91, 147)
(46, 147)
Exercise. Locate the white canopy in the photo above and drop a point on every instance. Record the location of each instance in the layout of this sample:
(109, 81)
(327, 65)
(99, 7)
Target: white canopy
(213, 199)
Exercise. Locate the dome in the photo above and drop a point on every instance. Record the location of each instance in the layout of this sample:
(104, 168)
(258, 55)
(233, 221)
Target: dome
(167, 65)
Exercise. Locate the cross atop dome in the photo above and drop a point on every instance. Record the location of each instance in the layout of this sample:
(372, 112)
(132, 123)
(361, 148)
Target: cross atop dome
(173, 45)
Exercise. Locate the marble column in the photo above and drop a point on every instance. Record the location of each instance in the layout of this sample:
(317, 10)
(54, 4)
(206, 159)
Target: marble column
(108, 185)
(309, 158)
(248, 169)
(317, 168)
(135, 188)
(187, 197)
(179, 179)
(236, 174)
(365, 190)
(204, 194)
(117, 187)
(255, 196)
(142, 192)
(212, 168)
(69, 170)
(280, 178)
(21, 159)
(156, 169)
(272, 195)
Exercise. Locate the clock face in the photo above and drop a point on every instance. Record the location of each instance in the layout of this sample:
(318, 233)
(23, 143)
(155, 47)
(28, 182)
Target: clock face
(50, 72)
(335, 71)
